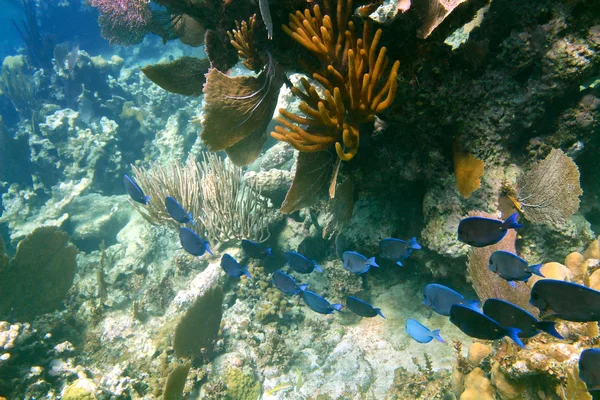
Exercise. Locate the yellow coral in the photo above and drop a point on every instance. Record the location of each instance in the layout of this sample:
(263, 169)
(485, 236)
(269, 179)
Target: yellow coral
(353, 75)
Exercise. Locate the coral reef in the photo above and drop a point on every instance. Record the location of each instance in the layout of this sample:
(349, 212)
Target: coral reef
(549, 192)
(486, 283)
(224, 206)
(37, 279)
(197, 330)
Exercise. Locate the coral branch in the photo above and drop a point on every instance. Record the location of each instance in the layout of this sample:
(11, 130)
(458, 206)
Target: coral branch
(352, 69)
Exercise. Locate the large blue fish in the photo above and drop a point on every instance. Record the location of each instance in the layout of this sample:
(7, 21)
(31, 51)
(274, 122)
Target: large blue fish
(441, 298)
(134, 191)
(286, 283)
(420, 332)
(192, 243)
(233, 268)
(475, 324)
(357, 263)
(397, 250)
(254, 250)
(362, 308)
(512, 268)
(319, 304)
(510, 315)
(589, 369)
(301, 264)
(566, 300)
(177, 212)
(481, 232)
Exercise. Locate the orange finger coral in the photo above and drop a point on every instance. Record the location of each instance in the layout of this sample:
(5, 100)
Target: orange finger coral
(353, 75)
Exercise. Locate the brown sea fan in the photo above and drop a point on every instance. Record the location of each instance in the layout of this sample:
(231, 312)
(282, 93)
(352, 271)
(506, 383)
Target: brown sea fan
(549, 192)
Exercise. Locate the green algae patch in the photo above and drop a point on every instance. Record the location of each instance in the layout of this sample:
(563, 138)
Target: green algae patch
(241, 385)
(79, 390)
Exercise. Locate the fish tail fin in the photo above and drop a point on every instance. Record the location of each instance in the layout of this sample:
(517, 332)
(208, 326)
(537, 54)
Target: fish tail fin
(371, 262)
(472, 304)
(511, 222)
(378, 311)
(413, 244)
(549, 328)
(337, 307)
(535, 269)
(317, 268)
(436, 335)
(207, 247)
(399, 263)
(513, 333)
(303, 287)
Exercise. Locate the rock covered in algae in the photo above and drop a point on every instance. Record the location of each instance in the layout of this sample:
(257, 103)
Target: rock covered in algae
(197, 330)
(81, 389)
(38, 278)
(241, 385)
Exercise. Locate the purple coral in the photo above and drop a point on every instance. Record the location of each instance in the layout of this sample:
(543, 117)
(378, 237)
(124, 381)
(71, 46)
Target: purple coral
(123, 22)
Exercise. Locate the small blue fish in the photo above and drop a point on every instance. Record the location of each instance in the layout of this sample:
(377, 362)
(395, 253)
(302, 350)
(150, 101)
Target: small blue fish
(232, 267)
(472, 322)
(192, 243)
(589, 369)
(319, 304)
(177, 212)
(441, 298)
(357, 263)
(286, 283)
(362, 308)
(397, 250)
(254, 250)
(134, 191)
(510, 315)
(420, 332)
(512, 268)
(566, 300)
(301, 264)
(481, 232)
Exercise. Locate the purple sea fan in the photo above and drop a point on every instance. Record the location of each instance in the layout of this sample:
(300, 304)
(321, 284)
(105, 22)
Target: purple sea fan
(123, 22)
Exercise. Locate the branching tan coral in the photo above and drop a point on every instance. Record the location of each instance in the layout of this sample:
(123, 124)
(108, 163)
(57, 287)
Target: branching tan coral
(353, 75)
(549, 192)
(224, 206)
(243, 39)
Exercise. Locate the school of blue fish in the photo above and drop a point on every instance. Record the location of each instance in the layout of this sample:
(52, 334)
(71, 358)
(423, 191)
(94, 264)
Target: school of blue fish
(495, 320)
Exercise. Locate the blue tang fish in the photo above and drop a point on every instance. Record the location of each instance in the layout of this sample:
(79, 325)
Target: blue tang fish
(362, 308)
(475, 324)
(254, 250)
(441, 298)
(512, 268)
(589, 369)
(397, 250)
(510, 315)
(357, 263)
(286, 283)
(566, 300)
(481, 232)
(177, 212)
(134, 191)
(232, 267)
(192, 243)
(318, 303)
(301, 264)
(420, 332)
